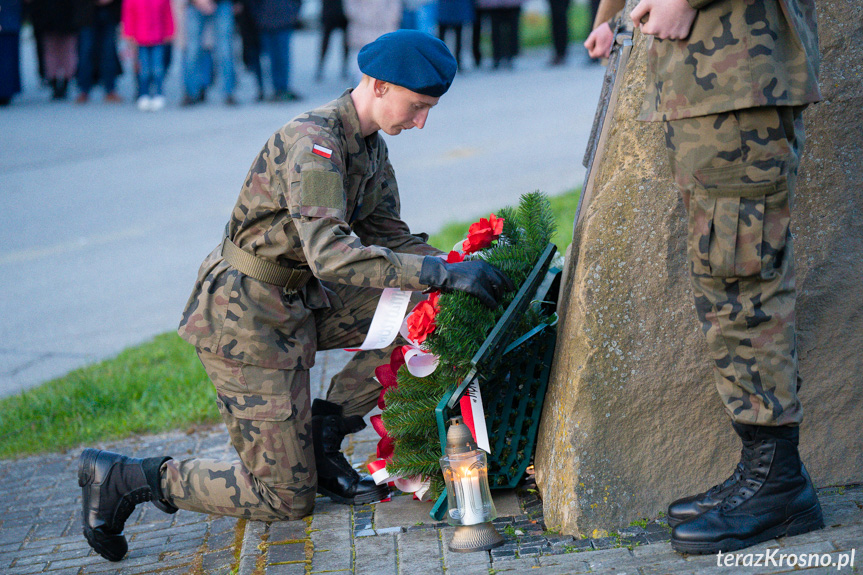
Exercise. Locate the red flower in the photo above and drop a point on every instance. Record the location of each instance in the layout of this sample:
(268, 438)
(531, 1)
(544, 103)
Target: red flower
(387, 377)
(386, 443)
(421, 321)
(482, 233)
(454, 257)
(397, 358)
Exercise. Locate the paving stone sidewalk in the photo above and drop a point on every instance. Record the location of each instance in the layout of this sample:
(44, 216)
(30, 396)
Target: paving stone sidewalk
(40, 528)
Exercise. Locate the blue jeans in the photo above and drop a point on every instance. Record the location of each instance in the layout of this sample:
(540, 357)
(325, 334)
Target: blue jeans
(423, 18)
(277, 45)
(151, 60)
(98, 41)
(194, 75)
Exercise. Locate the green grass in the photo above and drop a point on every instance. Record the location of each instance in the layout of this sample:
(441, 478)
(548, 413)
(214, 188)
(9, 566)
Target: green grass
(563, 206)
(156, 386)
(535, 29)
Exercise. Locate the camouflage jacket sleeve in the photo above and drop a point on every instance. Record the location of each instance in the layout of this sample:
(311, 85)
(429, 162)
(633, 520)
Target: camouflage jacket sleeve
(699, 4)
(738, 55)
(381, 224)
(318, 205)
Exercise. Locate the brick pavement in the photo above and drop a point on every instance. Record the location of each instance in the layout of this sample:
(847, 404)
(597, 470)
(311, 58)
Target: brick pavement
(40, 528)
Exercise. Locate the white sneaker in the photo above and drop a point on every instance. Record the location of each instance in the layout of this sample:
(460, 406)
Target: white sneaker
(144, 104)
(157, 103)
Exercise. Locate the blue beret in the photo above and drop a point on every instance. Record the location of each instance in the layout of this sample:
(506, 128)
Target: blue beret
(411, 59)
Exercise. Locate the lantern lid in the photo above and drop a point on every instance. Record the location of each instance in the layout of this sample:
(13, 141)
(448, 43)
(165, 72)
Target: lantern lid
(458, 437)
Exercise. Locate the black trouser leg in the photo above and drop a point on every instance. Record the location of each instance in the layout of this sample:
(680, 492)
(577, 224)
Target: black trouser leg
(559, 26)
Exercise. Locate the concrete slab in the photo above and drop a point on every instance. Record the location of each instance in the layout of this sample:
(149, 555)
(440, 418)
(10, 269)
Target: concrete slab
(403, 511)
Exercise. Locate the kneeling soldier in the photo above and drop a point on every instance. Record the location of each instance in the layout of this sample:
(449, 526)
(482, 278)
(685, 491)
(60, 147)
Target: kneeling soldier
(314, 237)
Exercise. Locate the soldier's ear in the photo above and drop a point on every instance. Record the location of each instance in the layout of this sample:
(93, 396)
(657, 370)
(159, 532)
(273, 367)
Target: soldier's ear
(381, 87)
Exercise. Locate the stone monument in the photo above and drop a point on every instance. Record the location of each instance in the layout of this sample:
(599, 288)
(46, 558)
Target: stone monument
(632, 420)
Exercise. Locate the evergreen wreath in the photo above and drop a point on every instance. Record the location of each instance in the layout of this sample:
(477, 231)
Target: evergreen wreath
(459, 325)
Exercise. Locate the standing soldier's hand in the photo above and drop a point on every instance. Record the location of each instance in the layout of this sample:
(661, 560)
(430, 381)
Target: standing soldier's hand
(475, 277)
(665, 19)
(599, 42)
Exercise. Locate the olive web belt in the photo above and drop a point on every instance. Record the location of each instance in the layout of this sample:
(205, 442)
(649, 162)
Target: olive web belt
(263, 270)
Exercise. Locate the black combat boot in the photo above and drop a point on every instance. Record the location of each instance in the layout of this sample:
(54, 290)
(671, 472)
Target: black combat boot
(774, 497)
(112, 485)
(336, 478)
(694, 505)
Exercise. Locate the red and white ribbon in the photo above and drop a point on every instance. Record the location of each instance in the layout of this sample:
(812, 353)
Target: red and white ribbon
(473, 414)
(415, 484)
(378, 470)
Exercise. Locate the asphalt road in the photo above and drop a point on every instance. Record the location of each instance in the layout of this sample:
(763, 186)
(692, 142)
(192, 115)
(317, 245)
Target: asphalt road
(107, 212)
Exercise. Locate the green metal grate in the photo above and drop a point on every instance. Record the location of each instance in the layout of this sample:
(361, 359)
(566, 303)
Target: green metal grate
(513, 377)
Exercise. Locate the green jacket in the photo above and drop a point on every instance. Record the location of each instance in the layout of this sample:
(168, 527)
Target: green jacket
(318, 194)
(739, 54)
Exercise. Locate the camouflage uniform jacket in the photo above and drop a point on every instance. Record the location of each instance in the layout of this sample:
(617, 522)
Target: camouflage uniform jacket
(318, 194)
(739, 54)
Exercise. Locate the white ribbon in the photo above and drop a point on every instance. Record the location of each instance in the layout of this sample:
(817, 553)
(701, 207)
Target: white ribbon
(414, 484)
(419, 362)
(388, 318)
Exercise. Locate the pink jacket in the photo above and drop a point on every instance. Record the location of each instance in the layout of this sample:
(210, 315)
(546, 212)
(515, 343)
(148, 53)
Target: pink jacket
(148, 22)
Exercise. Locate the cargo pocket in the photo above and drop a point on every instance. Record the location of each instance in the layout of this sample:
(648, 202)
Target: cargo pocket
(264, 431)
(737, 228)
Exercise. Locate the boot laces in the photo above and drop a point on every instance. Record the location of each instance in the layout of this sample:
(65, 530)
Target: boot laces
(127, 506)
(752, 477)
(732, 480)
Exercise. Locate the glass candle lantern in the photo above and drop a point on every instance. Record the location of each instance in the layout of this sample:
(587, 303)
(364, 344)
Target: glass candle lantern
(470, 506)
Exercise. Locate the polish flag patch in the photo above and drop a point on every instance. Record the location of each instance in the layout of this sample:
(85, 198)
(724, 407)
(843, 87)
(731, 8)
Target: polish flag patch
(322, 151)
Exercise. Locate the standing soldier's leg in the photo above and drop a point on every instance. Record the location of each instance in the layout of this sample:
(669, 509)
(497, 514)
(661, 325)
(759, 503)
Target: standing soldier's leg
(736, 172)
(353, 392)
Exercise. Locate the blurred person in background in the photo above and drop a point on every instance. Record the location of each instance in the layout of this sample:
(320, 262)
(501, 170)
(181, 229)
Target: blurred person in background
(10, 33)
(97, 49)
(454, 15)
(200, 13)
(558, 12)
(420, 15)
(368, 20)
(505, 15)
(333, 18)
(276, 20)
(251, 40)
(150, 25)
(480, 15)
(59, 22)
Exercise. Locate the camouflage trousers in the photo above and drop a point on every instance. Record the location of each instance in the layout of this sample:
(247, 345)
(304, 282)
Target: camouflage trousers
(736, 172)
(268, 416)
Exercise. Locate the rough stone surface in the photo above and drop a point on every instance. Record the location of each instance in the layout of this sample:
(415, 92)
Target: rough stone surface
(631, 419)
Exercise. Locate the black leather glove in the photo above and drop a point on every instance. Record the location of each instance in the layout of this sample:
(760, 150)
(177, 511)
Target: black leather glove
(475, 277)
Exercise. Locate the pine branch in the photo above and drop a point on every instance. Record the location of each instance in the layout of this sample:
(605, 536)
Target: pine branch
(408, 463)
(537, 218)
(436, 487)
(463, 324)
(414, 419)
